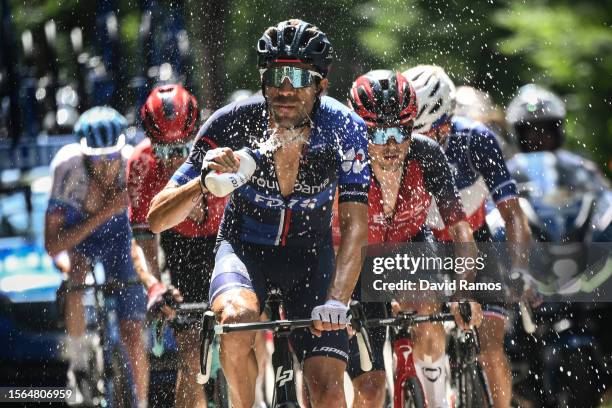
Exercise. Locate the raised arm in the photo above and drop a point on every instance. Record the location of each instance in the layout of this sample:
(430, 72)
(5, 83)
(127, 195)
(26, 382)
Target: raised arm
(59, 238)
(173, 204)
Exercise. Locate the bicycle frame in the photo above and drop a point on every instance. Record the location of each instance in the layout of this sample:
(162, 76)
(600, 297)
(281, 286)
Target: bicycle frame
(107, 329)
(282, 360)
(285, 395)
(402, 344)
(405, 369)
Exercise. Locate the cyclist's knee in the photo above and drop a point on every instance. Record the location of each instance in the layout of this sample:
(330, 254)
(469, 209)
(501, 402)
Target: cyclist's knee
(325, 380)
(369, 389)
(236, 306)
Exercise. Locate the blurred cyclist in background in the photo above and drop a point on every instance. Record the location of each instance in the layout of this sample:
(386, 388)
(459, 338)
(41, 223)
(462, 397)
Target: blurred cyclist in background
(87, 217)
(169, 117)
(478, 105)
(480, 173)
(535, 116)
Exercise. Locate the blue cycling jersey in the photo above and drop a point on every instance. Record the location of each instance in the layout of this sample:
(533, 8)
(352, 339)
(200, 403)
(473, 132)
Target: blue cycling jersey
(546, 173)
(478, 166)
(334, 157)
(110, 242)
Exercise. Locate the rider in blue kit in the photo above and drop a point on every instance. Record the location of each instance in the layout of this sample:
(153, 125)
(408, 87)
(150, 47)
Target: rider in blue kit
(299, 148)
(87, 218)
(480, 172)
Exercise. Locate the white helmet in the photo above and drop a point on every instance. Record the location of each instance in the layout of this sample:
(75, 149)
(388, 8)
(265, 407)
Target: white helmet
(435, 94)
(534, 104)
(474, 103)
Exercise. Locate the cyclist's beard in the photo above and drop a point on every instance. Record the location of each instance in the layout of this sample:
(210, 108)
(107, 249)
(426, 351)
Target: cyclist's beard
(297, 116)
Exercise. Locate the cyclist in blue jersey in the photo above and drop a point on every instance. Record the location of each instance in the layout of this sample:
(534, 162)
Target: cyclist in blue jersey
(87, 217)
(536, 117)
(297, 148)
(480, 172)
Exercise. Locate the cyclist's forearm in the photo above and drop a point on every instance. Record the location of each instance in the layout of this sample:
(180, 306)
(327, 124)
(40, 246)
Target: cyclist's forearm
(354, 236)
(518, 233)
(172, 205)
(465, 247)
(145, 261)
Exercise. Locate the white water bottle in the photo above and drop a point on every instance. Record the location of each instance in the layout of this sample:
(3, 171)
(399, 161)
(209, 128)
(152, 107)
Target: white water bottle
(222, 184)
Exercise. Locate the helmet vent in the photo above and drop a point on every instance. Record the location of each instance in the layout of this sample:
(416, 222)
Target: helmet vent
(421, 112)
(437, 106)
(289, 34)
(435, 89)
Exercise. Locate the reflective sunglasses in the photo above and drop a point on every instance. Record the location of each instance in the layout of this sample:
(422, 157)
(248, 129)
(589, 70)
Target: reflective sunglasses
(380, 136)
(298, 77)
(166, 152)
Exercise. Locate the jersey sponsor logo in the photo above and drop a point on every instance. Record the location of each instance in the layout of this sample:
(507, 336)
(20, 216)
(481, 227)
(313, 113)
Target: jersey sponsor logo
(309, 203)
(264, 183)
(353, 162)
(273, 202)
(197, 153)
(270, 202)
(299, 187)
(308, 189)
(283, 377)
(401, 217)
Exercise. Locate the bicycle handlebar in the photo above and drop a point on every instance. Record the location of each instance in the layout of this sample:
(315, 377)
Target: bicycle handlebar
(275, 325)
(360, 324)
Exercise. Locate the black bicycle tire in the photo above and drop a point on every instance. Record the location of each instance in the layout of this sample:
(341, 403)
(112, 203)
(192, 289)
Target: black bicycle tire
(414, 396)
(221, 391)
(474, 393)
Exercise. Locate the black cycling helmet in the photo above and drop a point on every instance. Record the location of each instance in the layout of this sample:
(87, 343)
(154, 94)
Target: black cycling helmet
(295, 41)
(536, 117)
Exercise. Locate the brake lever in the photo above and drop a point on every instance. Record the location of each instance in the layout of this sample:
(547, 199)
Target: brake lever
(207, 333)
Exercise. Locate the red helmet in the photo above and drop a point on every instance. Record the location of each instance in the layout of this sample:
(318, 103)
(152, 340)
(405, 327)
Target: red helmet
(169, 115)
(383, 98)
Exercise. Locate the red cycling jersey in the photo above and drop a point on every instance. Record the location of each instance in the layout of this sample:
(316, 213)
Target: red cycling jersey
(426, 174)
(146, 176)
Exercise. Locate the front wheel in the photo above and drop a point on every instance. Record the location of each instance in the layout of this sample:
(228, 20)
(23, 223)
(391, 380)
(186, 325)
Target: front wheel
(221, 391)
(413, 397)
(474, 390)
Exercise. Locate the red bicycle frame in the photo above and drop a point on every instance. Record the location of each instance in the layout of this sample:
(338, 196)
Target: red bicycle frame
(402, 348)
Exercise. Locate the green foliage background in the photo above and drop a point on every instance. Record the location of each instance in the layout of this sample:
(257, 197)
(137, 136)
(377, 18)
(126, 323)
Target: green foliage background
(493, 45)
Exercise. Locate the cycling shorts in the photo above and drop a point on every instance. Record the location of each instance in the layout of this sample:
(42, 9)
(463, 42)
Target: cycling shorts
(110, 244)
(302, 274)
(190, 261)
